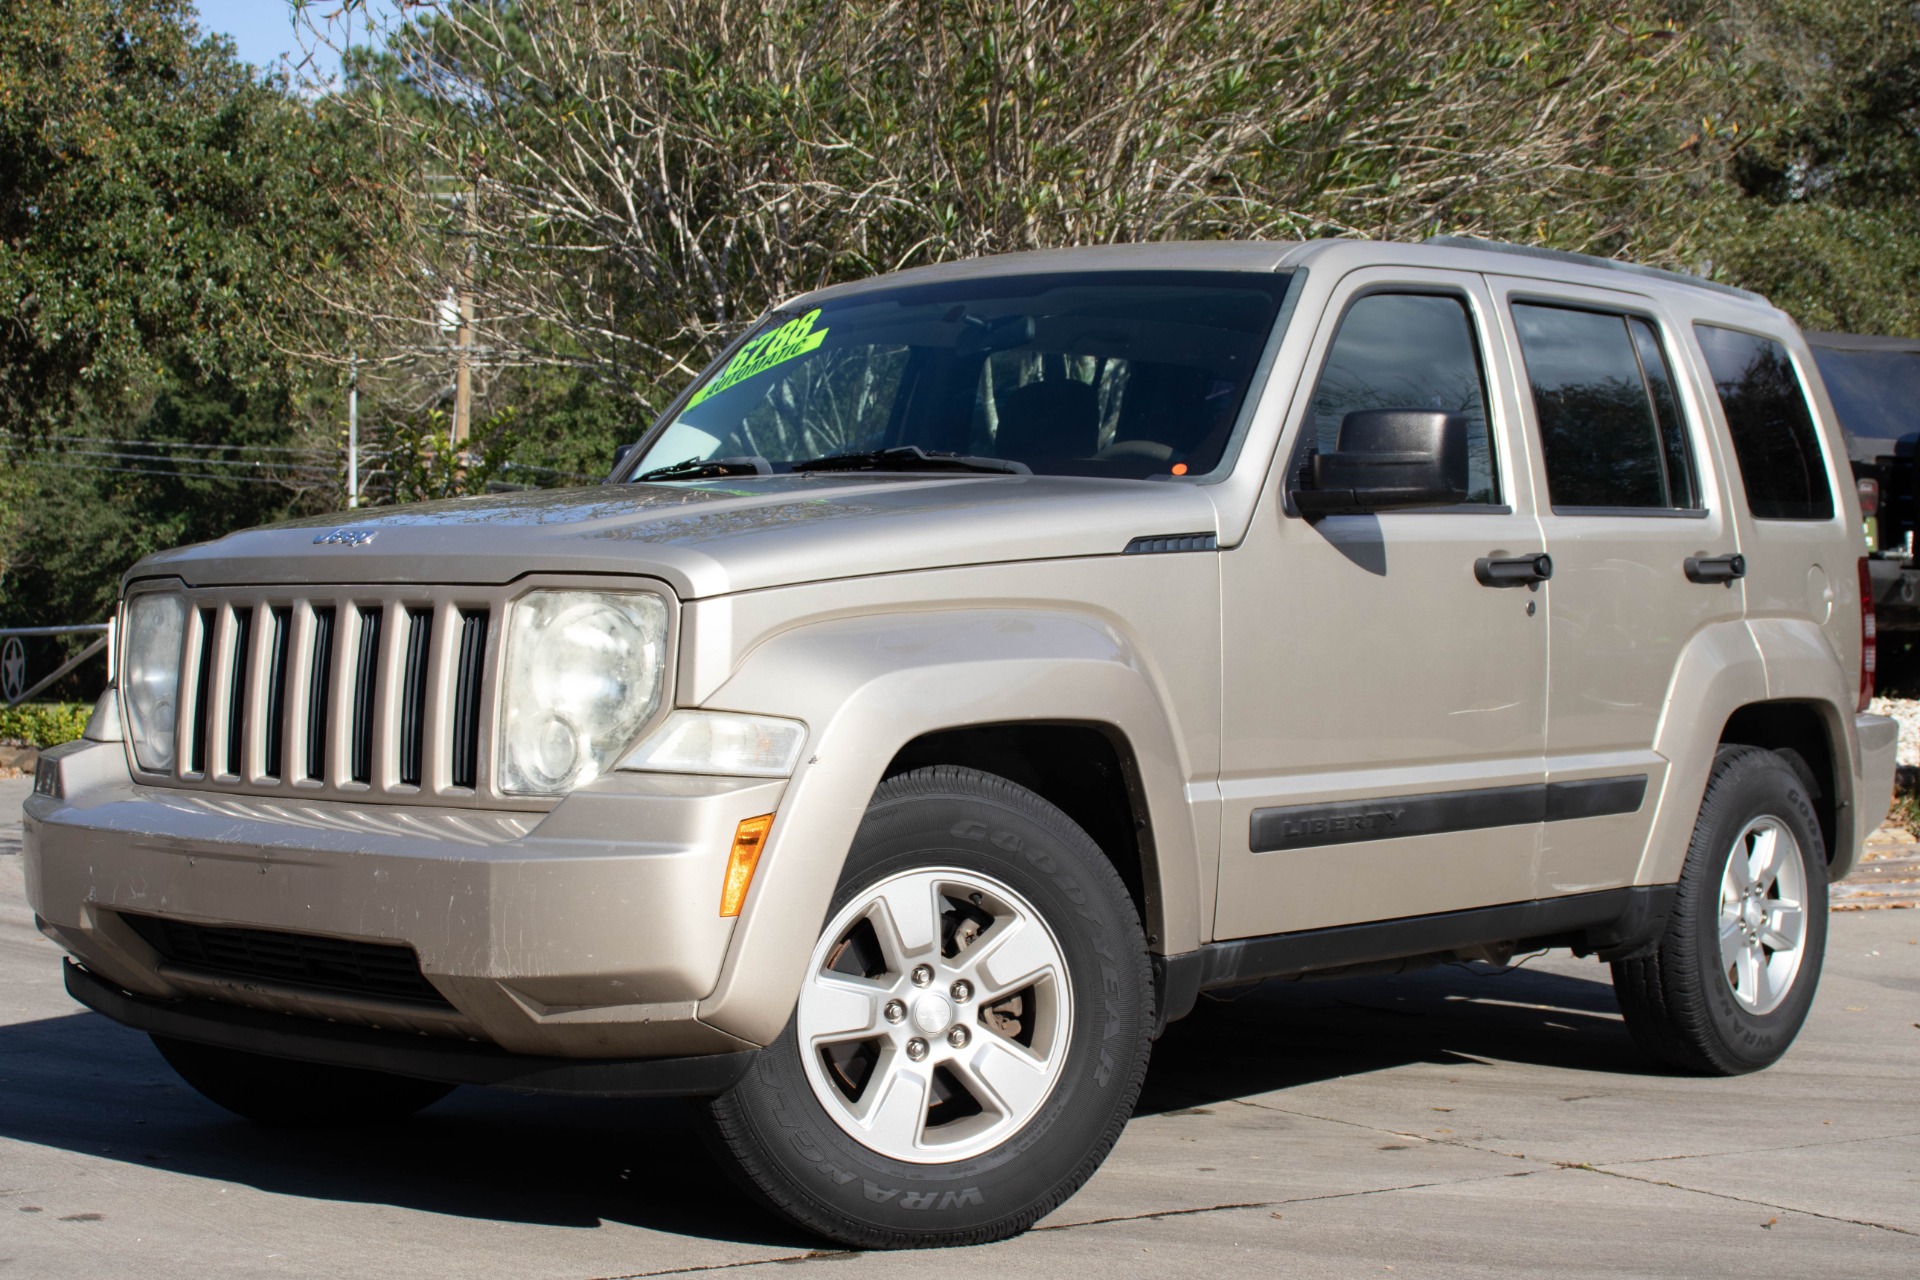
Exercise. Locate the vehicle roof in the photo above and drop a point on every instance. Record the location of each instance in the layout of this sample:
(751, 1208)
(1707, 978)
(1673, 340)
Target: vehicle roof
(1440, 252)
(1862, 342)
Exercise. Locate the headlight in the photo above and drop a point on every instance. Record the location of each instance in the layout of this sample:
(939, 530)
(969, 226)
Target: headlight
(721, 742)
(583, 673)
(150, 680)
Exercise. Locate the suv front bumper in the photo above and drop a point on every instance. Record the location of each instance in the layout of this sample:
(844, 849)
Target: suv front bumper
(591, 931)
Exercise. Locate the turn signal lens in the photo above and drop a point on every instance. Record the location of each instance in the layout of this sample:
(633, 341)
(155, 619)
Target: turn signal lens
(1869, 498)
(749, 838)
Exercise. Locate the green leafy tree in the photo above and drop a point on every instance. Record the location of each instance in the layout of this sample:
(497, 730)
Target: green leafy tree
(164, 214)
(1821, 208)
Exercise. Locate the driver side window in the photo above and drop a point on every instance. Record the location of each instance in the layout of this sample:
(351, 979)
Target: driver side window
(1408, 351)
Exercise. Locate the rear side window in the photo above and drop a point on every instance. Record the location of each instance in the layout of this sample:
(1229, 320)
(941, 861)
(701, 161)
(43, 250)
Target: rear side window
(1772, 429)
(1408, 351)
(1610, 426)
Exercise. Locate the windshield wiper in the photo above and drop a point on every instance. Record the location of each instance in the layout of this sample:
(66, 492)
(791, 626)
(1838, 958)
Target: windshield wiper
(697, 468)
(911, 457)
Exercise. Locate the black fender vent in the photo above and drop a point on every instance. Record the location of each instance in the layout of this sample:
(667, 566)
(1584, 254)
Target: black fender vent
(1164, 542)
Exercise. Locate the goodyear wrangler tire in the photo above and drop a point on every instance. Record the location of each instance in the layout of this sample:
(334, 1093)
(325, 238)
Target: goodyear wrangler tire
(971, 1033)
(1730, 983)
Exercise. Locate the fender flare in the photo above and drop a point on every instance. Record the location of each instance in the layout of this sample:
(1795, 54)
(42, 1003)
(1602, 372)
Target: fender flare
(1719, 671)
(1803, 667)
(1728, 666)
(866, 687)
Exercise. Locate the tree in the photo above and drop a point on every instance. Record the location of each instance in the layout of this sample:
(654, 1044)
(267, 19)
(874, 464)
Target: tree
(160, 209)
(615, 189)
(1821, 208)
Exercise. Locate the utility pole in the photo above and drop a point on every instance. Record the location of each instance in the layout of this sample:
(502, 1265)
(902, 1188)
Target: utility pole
(463, 371)
(353, 431)
(463, 334)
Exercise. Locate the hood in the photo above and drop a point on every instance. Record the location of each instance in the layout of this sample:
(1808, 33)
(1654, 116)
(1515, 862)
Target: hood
(706, 538)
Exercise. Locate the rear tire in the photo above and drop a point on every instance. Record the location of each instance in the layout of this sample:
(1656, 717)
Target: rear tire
(1732, 979)
(972, 1031)
(289, 1094)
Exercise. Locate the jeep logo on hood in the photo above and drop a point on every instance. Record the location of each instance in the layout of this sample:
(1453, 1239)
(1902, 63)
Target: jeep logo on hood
(345, 538)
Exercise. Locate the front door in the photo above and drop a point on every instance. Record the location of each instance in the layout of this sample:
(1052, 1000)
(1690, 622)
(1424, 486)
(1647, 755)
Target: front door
(1384, 714)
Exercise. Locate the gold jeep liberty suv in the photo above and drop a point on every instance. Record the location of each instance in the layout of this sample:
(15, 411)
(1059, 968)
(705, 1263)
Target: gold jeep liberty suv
(974, 665)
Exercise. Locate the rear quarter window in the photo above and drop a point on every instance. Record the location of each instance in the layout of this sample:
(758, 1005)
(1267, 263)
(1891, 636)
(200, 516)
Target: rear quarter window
(1774, 440)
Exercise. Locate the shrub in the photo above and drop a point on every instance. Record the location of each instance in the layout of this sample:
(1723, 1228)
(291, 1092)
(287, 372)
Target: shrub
(43, 724)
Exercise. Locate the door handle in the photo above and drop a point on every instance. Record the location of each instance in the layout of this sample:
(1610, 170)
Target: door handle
(1513, 571)
(1711, 569)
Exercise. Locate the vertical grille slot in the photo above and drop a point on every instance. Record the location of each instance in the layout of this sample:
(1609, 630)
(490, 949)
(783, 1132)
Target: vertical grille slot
(466, 698)
(237, 692)
(202, 696)
(366, 674)
(276, 691)
(413, 694)
(319, 687)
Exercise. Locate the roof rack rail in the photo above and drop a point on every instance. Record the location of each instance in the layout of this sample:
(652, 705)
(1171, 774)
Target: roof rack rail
(1588, 260)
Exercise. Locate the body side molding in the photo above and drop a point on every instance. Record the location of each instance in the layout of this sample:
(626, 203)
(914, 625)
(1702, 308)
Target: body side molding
(1305, 826)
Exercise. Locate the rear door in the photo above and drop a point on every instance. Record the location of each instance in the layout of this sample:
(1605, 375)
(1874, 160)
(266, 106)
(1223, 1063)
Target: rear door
(1384, 711)
(1803, 551)
(1645, 555)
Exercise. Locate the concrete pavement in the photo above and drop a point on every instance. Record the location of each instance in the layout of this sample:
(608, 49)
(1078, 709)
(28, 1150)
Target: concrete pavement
(1452, 1122)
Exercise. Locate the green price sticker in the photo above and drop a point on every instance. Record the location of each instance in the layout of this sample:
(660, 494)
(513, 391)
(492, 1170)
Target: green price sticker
(794, 338)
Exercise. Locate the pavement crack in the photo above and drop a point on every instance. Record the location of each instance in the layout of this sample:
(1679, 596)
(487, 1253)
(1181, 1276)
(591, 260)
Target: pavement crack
(1462, 1143)
(1276, 1204)
(824, 1255)
(1722, 1195)
(1754, 1151)
(787, 1260)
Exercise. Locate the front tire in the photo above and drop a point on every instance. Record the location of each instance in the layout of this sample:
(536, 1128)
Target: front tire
(972, 1030)
(1732, 980)
(296, 1095)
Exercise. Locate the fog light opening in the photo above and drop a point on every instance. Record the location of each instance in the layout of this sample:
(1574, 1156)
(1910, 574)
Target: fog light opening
(749, 838)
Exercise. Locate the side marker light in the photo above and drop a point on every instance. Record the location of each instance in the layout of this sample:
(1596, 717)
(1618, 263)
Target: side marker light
(749, 838)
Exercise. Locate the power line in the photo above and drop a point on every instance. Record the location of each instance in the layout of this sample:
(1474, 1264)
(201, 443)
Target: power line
(18, 439)
(144, 457)
(198, 462)
(164, 475)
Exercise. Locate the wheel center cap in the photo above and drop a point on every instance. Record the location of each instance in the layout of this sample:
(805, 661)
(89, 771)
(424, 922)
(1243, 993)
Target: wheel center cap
(932, 1013)
(1751, 914)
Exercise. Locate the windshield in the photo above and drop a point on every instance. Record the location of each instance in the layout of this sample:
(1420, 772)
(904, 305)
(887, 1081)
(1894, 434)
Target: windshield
(1129, 374)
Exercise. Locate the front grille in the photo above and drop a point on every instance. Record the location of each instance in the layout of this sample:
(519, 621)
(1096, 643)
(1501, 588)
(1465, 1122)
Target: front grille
(334, 965)
(334, 693)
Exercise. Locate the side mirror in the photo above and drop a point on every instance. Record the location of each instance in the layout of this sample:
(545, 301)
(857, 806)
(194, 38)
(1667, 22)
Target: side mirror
(1390, 460)
(620, 452)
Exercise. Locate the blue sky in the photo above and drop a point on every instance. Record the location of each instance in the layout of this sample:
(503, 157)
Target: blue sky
(265, 30)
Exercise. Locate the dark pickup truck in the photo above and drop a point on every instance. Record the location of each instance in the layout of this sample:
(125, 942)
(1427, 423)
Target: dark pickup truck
(1875, 386)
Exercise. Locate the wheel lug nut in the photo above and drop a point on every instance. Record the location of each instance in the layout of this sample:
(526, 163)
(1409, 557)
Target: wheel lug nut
(895, 1011)
(963, 991)
(917, 1049)
(922, 975)
(957, 1037)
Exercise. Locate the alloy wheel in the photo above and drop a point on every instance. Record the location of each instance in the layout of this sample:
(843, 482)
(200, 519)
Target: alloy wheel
(936, 1015)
